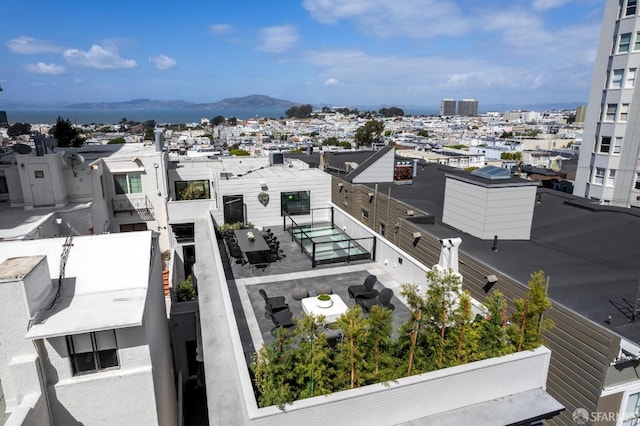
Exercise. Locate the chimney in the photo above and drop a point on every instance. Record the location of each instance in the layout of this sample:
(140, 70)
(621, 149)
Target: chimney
(449, 254)
(33, 271)
(159, 140)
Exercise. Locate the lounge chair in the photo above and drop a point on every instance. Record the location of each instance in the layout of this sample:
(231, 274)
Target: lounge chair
(273, 304)
(383, 299)
(364, 291)
(281, 319)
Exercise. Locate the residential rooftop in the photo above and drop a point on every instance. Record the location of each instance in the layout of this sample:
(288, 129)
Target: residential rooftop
(107, 294)
(589, 252)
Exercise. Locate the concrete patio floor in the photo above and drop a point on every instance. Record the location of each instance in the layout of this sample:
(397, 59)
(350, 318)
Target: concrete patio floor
(295, 270)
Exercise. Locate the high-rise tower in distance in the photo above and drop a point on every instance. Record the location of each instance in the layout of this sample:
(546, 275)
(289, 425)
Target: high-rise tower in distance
(448, 107)
(468, 108)
(608, 166)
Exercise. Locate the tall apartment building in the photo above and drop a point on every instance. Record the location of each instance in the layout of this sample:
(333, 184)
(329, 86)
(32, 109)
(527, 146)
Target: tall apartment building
(468, 107)
(609, 167)
(581, 113)
(448, 107)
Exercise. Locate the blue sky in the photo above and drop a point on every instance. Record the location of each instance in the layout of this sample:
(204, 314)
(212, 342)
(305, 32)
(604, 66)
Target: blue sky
(323, 52)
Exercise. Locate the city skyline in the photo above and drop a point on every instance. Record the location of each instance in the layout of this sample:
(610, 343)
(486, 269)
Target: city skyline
(312, 51)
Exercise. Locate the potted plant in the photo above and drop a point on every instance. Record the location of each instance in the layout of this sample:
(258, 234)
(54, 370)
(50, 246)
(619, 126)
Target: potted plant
(324, 301)
(251, 236)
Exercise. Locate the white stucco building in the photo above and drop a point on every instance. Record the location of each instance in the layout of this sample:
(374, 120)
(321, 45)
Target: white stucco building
(609, 167)
(90, 190)
(84, 332)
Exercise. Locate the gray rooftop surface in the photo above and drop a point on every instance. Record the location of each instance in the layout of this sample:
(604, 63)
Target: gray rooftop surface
(279, 278)
(589, 252)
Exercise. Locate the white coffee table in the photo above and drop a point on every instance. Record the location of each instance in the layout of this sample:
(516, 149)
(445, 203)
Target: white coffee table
(331, 314)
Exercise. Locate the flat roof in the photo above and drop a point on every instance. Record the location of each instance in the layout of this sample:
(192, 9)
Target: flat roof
(589, 252)
(16, 223)
(105, 284)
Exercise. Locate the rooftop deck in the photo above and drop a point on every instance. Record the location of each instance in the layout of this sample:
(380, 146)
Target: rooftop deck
(295, 270)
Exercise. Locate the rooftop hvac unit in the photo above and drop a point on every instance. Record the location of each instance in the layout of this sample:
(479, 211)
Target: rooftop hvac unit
(276, 158)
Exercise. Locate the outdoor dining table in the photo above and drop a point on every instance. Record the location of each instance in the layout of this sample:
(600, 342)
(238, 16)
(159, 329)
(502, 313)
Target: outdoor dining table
(331, 313)
(248, 247)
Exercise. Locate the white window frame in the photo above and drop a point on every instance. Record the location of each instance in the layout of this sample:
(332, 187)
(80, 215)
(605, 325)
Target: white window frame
(598, 176)
(624, 112)
(91, 346)
(611, 177)
(616, 79)
(630, 82)
(628, 421)
(617, 145)
(610, 112)
(128, 189)
(605, 145)
(624, 43)
(630, 7)
(636, 45)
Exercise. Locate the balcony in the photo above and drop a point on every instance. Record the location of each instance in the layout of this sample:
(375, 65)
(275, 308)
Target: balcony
(140, 205)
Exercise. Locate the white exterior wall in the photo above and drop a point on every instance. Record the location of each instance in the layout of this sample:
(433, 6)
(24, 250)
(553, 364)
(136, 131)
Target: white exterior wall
(314, 180)
(123, 395)
(380, 171)
(25, 288)
(187, 210)
(485, 212)
(52, 164)
(121, 398)
(14, 319)
(156, 334)
(414, 397)
(154, 188)
(15, 189)
(625, 164)
(387, 254)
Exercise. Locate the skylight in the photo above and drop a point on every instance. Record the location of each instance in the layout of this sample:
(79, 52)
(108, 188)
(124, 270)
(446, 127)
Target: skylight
(492, 173)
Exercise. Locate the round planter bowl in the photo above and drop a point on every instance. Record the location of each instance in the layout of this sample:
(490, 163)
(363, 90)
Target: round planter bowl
(324, 303)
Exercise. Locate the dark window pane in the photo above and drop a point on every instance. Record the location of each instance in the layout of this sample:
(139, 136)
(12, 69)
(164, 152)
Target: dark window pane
(84, 362)
(295, 203)
(108, 358)
(183, 232)
(192, 190)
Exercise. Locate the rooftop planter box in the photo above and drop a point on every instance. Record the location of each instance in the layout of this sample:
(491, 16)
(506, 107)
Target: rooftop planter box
(417, 396)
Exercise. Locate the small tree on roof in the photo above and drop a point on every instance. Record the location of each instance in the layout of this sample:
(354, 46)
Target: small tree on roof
(528, 322)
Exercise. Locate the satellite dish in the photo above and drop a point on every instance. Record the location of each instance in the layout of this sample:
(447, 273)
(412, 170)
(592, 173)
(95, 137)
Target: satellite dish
(73, 158)
(21, 148)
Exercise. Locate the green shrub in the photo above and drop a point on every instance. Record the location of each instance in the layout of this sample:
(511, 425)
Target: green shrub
(185, 290)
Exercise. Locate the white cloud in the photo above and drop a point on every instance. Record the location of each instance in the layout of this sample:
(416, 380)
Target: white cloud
(221, 28)
(163, 62)
(429, 77)
(99, 57)
(30, 46)
(332, 82)
(390, 18)
(548, 4)
(278, 39)
(42, 68)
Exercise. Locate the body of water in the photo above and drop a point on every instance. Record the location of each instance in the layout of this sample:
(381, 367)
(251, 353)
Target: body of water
(49, 116)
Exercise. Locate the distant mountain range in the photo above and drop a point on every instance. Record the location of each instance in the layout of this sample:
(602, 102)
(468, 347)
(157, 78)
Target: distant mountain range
(260, 103)
(245, 102)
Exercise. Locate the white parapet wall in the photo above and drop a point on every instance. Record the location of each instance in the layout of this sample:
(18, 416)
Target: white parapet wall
(417, 396)
(403, 267)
